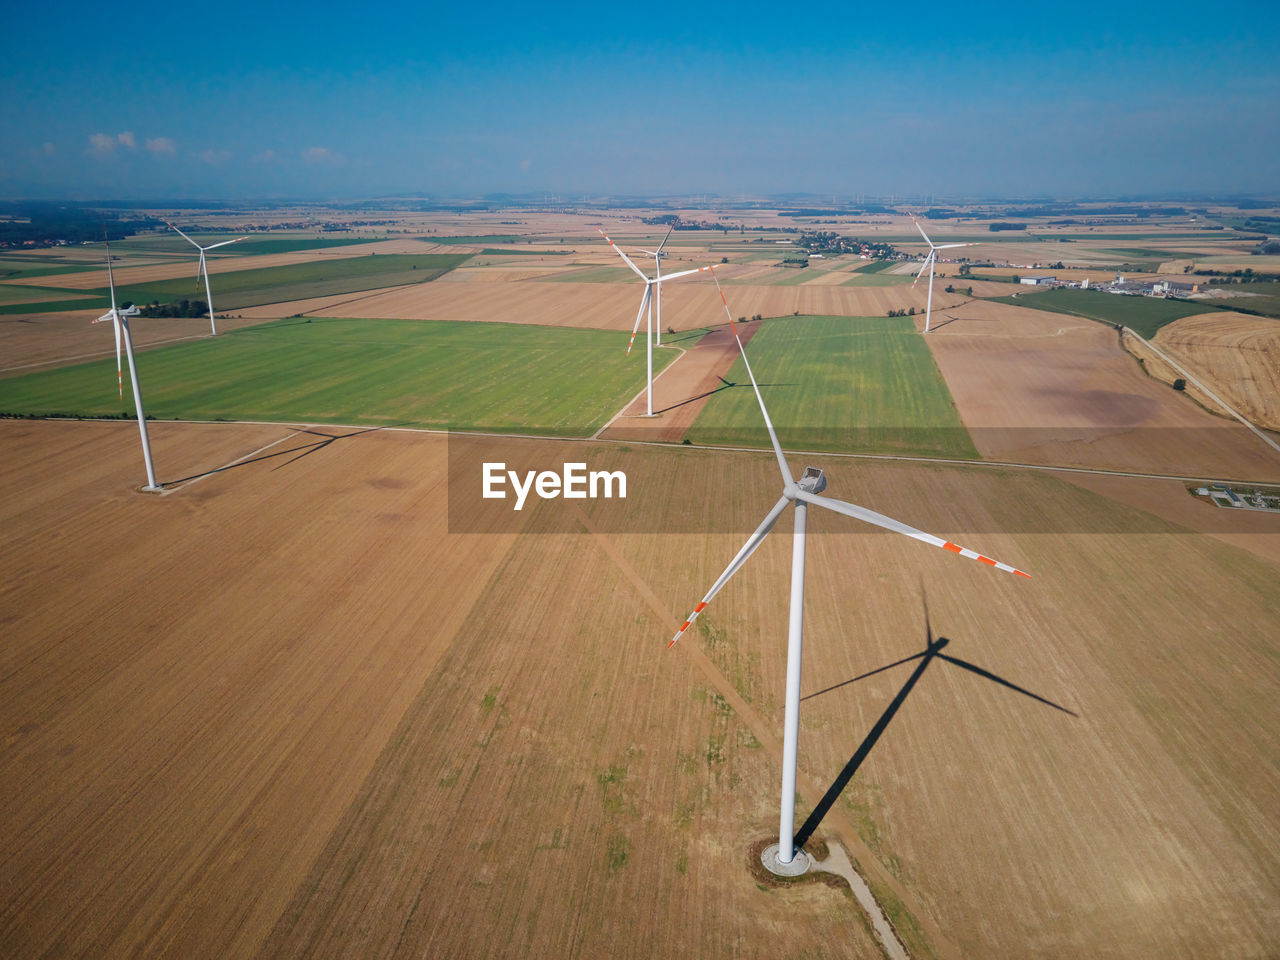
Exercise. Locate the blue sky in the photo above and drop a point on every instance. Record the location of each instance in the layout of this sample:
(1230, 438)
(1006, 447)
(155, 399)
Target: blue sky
(233, 100)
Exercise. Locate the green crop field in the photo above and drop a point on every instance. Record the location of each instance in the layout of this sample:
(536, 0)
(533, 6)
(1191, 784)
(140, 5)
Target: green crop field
(13, 269)
(850, 384)
(488, 376)
(865, 278)
(290, 244)
(1145, 315)
(877, 266)
(246, 288)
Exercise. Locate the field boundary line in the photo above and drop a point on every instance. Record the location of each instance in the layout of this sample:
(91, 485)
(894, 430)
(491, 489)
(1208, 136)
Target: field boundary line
(893, 458)
(683, 351)
(1212, 396)
(835, 819)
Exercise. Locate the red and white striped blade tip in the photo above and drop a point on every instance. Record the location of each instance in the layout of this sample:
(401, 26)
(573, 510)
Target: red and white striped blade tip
(685, 626)
(974, 555)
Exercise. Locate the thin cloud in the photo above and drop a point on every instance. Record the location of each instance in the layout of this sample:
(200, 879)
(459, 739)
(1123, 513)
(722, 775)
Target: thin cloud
(162, 145)
(314, 155)
(103, 144)
(214, 157)
(266, 156)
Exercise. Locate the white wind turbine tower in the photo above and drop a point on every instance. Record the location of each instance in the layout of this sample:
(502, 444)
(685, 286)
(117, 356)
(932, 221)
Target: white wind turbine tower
(783, 858)
(120, 320)
(646, 303)
(204, 268)
(929, 262)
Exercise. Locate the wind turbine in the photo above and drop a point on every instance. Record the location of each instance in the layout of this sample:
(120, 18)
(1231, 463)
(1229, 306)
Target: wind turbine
(646, 303)
(929, 262)
(120, 319)
(657, 289)
(783, 858)
(204, 268)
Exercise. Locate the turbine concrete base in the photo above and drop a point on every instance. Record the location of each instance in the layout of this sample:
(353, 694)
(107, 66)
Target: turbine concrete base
(798, 866)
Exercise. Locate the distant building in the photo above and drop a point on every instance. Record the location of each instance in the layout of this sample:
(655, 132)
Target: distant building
(1037, 281)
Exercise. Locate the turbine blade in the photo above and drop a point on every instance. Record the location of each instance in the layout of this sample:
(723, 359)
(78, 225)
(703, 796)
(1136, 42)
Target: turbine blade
(639, 272)
(683, 273)
(184, 236)
(658, 252)
(922, 266)
(735, 564)
(948, 246)
(111, 277)
(964, 664)
(224, 243)
(644, 302)
(897, 526)
(119, 369)
(787, 479)
(922, 233)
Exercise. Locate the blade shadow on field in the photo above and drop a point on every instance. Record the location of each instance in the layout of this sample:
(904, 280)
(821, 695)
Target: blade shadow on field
(933, 649)
(700, 396)
(301, 451)
(938, 326)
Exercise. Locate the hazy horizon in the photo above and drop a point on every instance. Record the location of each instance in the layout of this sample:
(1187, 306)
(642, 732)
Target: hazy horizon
(234, 101)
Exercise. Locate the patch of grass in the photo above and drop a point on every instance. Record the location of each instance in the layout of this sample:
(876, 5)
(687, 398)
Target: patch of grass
(865, 278)
(619, 850)
(1144, 315)
(878, 266)
(866, 384)
(501, 377)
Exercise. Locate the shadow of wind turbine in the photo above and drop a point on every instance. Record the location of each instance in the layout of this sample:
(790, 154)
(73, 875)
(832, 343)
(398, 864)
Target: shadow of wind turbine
(933, 649)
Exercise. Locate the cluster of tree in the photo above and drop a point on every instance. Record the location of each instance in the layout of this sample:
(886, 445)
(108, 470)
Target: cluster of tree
(42, 224)
(179, 308)
(832, 244)
(903, 313)
(1267, 247)
(996, 227)
(967, 291)
(1247, 275)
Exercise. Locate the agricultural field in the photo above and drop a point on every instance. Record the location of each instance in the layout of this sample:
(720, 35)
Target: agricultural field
(271, 770)
(1235, 355)
(250, 287)
(1039, 387)
(852, 384)
(1146, 315)
(369, 372)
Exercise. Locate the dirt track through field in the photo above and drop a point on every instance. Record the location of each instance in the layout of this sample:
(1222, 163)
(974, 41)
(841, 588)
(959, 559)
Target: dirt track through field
(683, 390)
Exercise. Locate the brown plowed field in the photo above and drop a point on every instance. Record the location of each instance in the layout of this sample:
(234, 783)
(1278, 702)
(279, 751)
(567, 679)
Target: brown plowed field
(1235, 355)
(1047, 388)
(612, 306)
(282, 712)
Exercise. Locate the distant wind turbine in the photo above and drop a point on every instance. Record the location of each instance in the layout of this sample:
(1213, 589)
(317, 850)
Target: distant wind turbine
(929, 262)
(120, 319)
(782, 858)
(646, 303)
(204, 269)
